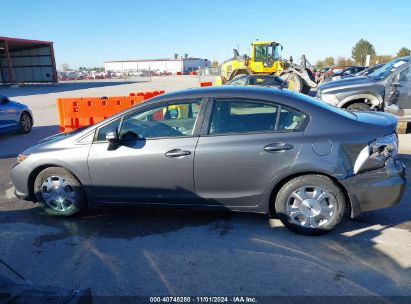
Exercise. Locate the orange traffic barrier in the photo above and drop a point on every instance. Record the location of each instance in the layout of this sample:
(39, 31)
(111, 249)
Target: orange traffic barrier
(147, 95)
(78, 112)
(206, 84)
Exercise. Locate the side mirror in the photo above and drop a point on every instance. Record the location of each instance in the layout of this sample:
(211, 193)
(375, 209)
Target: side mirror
(112, 136)
(3, 99)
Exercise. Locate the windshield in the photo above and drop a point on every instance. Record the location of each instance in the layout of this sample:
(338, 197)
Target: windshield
(388, 69)
(267, 52)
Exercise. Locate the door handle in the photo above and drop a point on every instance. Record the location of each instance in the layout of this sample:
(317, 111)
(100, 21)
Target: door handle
(177, 153)
(278, 147)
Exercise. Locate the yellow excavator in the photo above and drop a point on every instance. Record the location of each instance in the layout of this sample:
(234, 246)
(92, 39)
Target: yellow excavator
(265, 58)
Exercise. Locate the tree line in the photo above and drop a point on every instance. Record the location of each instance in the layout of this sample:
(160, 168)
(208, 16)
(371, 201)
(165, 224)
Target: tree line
(359, 54)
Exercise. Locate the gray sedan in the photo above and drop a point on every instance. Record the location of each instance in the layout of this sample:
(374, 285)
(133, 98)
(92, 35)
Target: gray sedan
(238, 148)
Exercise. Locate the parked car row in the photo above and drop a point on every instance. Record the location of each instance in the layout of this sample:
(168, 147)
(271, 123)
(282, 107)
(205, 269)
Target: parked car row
(364, 72)
(81, 75)
(387, 88)
(383, 87)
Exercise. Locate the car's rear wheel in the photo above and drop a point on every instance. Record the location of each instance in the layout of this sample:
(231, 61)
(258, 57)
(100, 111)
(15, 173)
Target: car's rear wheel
(58, 192)
(310, 204)
(25, 123)
(358, 106)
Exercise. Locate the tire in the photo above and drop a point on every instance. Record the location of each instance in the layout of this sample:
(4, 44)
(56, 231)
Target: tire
(358, 106)
(25, 123)
(70, 188)
(295, 83)
(332, 205)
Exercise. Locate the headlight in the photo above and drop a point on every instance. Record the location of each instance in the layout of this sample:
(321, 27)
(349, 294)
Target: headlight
(330, 98)
(22, 157)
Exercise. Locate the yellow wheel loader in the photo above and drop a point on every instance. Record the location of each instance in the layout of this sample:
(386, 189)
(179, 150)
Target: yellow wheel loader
(266, 59)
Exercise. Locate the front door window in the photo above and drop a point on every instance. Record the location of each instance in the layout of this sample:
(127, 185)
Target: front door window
(171, 120)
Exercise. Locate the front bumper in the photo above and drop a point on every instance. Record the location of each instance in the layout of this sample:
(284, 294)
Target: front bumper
(376, 189)
(22, 195)
(20, 176)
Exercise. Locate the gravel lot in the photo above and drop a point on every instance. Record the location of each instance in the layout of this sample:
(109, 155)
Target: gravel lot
(150, 251)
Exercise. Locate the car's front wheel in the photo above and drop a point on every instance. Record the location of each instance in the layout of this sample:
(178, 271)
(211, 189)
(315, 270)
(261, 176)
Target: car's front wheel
(25, 123)
(58, 192)
(310, 204)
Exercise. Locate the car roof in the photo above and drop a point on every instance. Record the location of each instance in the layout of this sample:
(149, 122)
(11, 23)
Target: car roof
(226, 91)
(281, 96)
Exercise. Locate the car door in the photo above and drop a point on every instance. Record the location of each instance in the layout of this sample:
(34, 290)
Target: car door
(8, 115)
(154, 161)
(244, 143)
(404, 89)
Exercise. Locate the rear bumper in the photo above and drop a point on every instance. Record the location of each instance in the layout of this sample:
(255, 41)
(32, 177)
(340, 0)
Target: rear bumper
(376, 189)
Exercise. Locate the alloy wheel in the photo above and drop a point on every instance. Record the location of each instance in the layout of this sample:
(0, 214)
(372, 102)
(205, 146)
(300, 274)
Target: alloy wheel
(311, 207)
(58, 193)
(26, 122)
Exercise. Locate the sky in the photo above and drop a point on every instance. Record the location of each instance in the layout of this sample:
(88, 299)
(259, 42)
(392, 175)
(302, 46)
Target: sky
(89, 32)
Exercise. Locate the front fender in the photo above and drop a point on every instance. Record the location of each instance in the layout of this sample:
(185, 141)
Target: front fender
(375, 100)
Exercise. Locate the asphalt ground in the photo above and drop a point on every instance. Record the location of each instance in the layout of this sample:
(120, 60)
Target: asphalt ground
(152, 251)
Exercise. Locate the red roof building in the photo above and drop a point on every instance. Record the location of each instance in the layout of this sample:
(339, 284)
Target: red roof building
(26, 61)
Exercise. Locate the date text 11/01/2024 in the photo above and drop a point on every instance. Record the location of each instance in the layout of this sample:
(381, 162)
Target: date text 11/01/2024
(203, 299)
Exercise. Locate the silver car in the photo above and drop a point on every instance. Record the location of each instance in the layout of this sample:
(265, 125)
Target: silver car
(239, 148)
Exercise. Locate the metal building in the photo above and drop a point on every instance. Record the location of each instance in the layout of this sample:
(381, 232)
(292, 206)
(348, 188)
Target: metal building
(173, 66)
(26, 61)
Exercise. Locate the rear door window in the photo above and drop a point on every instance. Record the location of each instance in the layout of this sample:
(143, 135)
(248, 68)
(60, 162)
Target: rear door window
(247, 116)
(290, 120)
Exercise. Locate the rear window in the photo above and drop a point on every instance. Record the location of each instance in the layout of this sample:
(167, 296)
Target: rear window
(326, 106)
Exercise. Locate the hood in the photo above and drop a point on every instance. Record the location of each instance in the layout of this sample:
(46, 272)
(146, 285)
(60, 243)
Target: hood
(55, 141)
(59, 136)
(346, 83)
